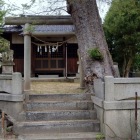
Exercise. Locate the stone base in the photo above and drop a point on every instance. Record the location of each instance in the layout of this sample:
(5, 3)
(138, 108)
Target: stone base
(48, 76)
(77, 75)
(7, 68)
(13, 109)
(115, 117)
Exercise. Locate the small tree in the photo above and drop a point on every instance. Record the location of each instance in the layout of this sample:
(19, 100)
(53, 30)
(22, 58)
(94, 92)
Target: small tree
(4, 45)
(122, 30)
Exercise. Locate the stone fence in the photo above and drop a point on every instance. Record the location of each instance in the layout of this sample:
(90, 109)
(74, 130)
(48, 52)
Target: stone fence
(11, 94)
(115, 105)
(11, 87)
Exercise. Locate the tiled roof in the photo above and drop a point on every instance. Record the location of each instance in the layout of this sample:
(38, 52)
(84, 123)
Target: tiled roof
(43, 28)
(54, 28)
(13, 28)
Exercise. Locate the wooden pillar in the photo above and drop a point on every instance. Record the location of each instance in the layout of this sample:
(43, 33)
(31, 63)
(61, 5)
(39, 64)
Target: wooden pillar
(27, 57)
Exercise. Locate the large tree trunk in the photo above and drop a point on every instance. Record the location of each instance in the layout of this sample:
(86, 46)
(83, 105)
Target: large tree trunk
(90, 34)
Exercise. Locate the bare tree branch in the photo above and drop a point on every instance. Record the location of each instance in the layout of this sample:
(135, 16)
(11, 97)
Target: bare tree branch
(50, 7)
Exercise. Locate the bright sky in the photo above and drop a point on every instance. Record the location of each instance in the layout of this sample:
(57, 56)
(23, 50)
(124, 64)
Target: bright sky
(40, 7)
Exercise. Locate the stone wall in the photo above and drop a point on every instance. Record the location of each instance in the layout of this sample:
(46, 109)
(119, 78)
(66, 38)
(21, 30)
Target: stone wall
(115, 105)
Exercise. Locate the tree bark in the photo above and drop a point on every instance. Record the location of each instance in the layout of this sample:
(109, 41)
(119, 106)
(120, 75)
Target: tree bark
(128, 66)
(127, 63)
(124, 66)
(90, 35)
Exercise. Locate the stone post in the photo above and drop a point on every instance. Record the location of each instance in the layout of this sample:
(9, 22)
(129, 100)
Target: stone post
(17, 86)
(109, 88)
(27, 57)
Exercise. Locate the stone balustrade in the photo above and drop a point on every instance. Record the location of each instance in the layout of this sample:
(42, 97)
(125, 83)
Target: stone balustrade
(11, 87)
(114, 101)
(11, 95)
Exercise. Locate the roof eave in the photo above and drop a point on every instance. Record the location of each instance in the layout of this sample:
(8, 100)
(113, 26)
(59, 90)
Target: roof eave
(53, 33)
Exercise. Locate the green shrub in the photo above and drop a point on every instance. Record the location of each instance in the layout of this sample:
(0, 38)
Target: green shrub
(95, 54)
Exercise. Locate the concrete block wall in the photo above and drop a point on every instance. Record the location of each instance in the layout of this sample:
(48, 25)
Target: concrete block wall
(115, 106)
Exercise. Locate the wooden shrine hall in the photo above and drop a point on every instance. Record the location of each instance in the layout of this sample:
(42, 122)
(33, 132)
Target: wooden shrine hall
(43, 45)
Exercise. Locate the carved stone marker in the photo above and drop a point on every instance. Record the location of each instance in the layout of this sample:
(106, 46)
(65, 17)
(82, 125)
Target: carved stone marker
(7, 62)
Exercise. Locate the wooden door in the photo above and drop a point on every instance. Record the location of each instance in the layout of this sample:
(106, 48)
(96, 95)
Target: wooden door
(72, 59)
(47, 60)
(18, 57)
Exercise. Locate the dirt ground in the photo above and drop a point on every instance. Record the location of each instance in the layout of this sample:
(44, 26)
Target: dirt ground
(55, 87)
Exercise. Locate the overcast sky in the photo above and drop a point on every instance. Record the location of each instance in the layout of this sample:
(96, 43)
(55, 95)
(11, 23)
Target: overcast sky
(40, 7)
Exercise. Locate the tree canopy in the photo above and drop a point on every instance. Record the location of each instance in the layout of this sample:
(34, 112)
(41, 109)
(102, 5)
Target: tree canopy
(122, 30)
(4, 44)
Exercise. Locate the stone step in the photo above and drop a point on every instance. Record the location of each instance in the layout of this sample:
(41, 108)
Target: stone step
(59, 97)
(60, 115)
(61, 105)
(61, 136)
(68, 126)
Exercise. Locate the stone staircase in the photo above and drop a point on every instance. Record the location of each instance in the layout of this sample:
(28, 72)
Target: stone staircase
(58, 116)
